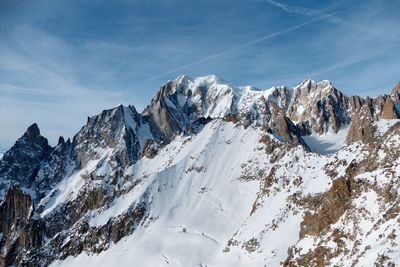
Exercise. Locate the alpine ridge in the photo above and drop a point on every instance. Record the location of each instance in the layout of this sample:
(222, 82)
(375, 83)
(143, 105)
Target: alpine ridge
(211, 174)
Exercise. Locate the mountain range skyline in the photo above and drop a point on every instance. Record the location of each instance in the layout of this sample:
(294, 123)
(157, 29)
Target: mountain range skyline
(67, 60)
(54, 139)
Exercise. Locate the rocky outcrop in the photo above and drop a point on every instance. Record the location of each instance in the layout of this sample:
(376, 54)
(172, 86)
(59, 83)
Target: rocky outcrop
(389, 111)
(21, 232)
(355, 103)
(362, 123)
(22, 162)
(56, 166)
(327, 208)
(283, 127)
(113, 129)
(337, 232)
(83, 237)
(321, 105)
(361, 127)
(150, 149)
(180, 103)
(164, 120)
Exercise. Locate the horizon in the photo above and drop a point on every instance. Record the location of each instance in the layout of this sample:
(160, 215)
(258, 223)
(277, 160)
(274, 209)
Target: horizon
(64, 61)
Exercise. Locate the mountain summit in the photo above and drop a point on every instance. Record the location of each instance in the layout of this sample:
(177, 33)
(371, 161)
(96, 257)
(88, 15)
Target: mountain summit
(211, 174)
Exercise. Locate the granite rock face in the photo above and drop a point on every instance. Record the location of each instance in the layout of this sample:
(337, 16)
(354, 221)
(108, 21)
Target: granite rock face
(389, 111)
(112, 129)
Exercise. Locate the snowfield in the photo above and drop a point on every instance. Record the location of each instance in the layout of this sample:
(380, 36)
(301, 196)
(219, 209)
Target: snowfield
(327, 143)
(198, 200)
(202, 191)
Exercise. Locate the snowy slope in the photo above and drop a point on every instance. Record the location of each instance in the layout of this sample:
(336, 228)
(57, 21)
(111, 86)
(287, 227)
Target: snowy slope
(327, 143)
(197, 201)
(210, 206)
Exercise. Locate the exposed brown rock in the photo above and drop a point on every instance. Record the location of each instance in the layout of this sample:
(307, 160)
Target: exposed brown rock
(20, 231)
(333, 119)
(361, 127)
(283, 126)
(355, 103)
(389, 111)
(321, 106)
(317, 258)
(149, 149)
(334, 203)
(231, 118)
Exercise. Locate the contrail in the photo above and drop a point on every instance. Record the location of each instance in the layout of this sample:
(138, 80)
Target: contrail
(319, 14)
(268, 36)
(316, 15)
(308, 12)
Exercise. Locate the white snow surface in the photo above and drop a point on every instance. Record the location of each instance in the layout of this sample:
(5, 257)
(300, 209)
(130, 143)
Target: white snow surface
(383, 125)
(329, 142)
(67, 189)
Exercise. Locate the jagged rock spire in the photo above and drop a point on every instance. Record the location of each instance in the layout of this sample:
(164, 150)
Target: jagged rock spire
(28, 151)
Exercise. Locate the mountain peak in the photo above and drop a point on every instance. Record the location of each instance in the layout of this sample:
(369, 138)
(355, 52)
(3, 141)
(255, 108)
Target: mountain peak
(33, 136)
(311, 85)
(308, 83)
(28, 151)
(33, 131)
(185, 80)
(207, 78)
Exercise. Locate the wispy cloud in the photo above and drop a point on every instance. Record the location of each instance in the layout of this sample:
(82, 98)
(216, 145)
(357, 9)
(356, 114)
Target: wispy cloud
(307, 12)
(321, 15)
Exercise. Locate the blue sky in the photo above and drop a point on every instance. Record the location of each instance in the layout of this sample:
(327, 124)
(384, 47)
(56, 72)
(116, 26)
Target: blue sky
(61, 61)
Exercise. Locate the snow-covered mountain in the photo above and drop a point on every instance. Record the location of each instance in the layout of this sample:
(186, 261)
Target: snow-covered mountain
(211, 174)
